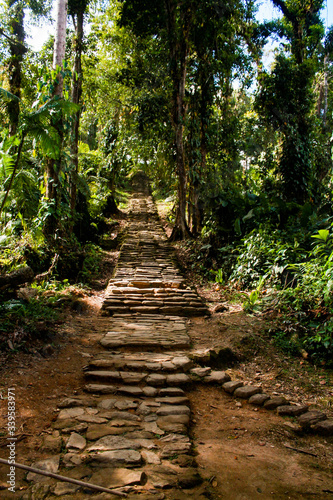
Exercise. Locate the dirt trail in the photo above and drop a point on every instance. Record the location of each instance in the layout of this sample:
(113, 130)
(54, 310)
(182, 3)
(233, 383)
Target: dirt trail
(134, 400)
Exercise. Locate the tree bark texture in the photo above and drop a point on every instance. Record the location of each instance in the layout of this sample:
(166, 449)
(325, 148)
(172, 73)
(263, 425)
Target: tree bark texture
(16, 51)
(76, 98)
(178, 23)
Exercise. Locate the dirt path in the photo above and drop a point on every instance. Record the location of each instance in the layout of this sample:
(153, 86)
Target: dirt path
(134, 401)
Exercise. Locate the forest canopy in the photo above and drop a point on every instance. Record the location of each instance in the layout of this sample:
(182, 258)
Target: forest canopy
(239, 150)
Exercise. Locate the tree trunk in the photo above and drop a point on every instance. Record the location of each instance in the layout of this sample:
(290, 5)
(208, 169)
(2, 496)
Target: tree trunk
(59, 49)
(53, 165)
(17, 51)
(178, 50)
(76, 97)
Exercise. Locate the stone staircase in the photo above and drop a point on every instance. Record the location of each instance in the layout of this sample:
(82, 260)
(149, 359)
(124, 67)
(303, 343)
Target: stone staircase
(130, 430)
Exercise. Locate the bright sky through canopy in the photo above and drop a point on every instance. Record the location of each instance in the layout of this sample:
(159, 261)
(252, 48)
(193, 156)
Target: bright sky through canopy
(39, 35)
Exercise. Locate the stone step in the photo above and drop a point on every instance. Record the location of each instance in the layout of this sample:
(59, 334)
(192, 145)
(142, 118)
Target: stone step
(130, 378)
(149, 362)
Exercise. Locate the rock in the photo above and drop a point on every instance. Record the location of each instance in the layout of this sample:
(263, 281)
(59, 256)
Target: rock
(173, 410)
(91, 419)
(217, 378)
(150, 457)
(258, 399)
(175, 449)
(49, 465)
(174, 419)
(51, 443)
(273, 403)
(247, 391)
(65, 489)
(73, 403)
(117, 458)
(72, 459)
(76, 441)
(171, 391)
(180, 400)
(125, 405)
(311, 418)
(173, 427)
(107, 404)
(150, 392)
(162, 477)
(178, 379)
(70, 413)
(292, 410)
(156, 379)
(325, 427)
(231, 386)
(200, 371)
(98, 431)
(153, 428)
(114, 443)
(39, 492)
(115, 478)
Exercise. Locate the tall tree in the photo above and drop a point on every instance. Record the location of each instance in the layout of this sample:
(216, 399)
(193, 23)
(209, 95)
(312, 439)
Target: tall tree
(77, 9)
(53, 164)
(286, 95)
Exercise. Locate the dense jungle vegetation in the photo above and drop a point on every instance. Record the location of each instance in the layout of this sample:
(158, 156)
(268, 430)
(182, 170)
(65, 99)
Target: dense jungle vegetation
(240, 151)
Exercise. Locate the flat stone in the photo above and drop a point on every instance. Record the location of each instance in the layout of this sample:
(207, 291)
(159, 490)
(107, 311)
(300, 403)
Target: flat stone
(107, 404)
(115, 478)
(114, 443)
(133, 377)
(70, 413)
(325, 427)
(311, 418)
(171, 391)
(173, 427)
(258, 399)
(176, 448)
(91, 419)
(162, 477)
(173, 410)
(101, 388)
(76, 441)
(73, 403)
(49, 465)
(52, 443)
(232, 385)
(125, 405)
(150, 457)
(200, 371)
(273, 403)
(149, 391)
(65, 489)
(247, 391)
(153, 428)
(72, 460)
(122, 415)
(178, 379)
(292, 410)
(156, 379)
(98, 431)
(180, 400)
(117, 458)
(132, 390)
(217, 378)
(182, 362)
(173, 419)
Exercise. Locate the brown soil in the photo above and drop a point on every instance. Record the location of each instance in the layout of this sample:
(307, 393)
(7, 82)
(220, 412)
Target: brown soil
(242, 452)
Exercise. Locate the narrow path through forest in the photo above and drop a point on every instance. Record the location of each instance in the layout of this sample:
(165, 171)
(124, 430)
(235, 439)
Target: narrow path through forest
(134, 423)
